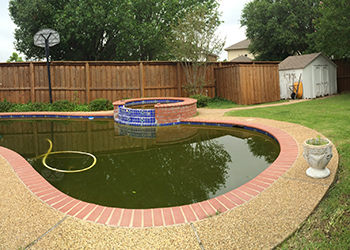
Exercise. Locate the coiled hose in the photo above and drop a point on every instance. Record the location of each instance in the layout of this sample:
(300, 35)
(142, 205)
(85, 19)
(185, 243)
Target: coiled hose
(61, 152)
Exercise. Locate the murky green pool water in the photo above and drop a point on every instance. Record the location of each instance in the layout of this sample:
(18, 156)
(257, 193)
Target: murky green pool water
(142, 167)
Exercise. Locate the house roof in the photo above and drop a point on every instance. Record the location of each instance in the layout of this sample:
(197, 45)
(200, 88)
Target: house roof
(300, 62)
(241, 59)
(240, 45)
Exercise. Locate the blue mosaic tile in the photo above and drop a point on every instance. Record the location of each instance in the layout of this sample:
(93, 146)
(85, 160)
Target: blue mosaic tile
(152, 101)
(53, 116)
(169, 124)
(136, 117)
(136, 123)
(271, 136)
(249, 128)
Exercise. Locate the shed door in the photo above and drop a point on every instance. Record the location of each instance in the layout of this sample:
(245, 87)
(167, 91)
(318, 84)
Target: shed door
(325, 80)
(321, 80)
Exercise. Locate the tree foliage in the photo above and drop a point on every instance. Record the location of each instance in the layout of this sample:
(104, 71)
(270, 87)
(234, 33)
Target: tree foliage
(91, 30)
(280, 28)
(194, 42)
(98, 29)
(15, 58)
(332, 32)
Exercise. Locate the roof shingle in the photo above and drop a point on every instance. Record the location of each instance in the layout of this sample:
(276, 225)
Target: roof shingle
(298, 62)
(241, 59)
(240, 45)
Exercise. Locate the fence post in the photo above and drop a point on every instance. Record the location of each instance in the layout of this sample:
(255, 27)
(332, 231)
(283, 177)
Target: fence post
(178, 80)
(87, 82)
(32, 82)
(142, 87)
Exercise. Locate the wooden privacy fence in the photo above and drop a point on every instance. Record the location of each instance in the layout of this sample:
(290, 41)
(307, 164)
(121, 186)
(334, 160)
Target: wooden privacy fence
(248, 84)
(86, 81)
(244, 83)
(343, 75)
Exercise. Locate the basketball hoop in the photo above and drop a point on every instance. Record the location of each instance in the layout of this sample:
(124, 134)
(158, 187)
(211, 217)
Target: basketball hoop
(46, 38)
(49, 35)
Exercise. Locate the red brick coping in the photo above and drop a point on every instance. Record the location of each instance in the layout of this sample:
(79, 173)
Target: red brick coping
(165, 113)
(159, 216)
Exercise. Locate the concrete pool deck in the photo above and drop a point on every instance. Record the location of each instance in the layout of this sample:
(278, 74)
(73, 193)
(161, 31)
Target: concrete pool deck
(260, 223)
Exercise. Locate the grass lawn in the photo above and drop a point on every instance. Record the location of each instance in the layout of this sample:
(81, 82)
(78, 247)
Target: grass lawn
(328, 227)
(220, 103)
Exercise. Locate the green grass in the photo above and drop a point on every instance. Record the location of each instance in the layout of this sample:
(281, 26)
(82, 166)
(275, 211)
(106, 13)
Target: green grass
(221, 103)
(328, 226)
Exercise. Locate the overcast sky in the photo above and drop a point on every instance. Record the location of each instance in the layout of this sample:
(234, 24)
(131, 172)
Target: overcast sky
(231, 13)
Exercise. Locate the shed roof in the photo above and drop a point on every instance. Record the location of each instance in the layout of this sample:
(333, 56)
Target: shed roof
(241, 59)
(240, 45)
(300, 62)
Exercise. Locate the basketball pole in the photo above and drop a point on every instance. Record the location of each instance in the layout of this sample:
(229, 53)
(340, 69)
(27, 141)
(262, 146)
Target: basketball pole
(48, 63)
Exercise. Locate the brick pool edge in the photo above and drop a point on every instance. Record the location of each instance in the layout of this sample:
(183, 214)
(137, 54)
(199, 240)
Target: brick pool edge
(140, 218)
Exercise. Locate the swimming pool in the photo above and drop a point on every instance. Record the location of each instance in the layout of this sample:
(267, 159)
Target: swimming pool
(161, 216)
(169, 166)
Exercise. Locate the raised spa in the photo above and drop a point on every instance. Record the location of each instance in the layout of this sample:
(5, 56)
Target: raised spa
(154, 111)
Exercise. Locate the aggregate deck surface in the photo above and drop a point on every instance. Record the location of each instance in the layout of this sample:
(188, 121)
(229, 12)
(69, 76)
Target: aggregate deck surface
(260, 223)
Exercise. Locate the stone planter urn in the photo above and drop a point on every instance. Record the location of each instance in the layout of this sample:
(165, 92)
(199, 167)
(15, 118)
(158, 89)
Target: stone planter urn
(317, 153)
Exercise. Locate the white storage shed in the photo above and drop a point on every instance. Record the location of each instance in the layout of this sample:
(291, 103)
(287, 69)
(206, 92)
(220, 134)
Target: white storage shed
(316, 72)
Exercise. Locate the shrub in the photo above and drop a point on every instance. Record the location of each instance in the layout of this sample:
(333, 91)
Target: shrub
(19, 107)
(63, 105)
(30, 106)
(202, 100)
(100, 104)
(81, 108)
(5, 106)
(39, 106)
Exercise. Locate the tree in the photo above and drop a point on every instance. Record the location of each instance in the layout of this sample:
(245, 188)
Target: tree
(279, 28)
(15, 58)
(87, 28)
(98, 29)
(193, 42)
(332, 28)
(152, 23)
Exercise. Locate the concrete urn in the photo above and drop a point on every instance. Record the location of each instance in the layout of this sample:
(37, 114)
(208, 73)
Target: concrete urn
(317, 153)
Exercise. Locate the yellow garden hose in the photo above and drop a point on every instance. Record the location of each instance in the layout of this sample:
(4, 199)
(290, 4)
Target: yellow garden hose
(61, 152)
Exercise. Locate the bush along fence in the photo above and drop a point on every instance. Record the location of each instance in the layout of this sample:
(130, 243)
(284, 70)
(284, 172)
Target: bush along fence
(86, 81)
